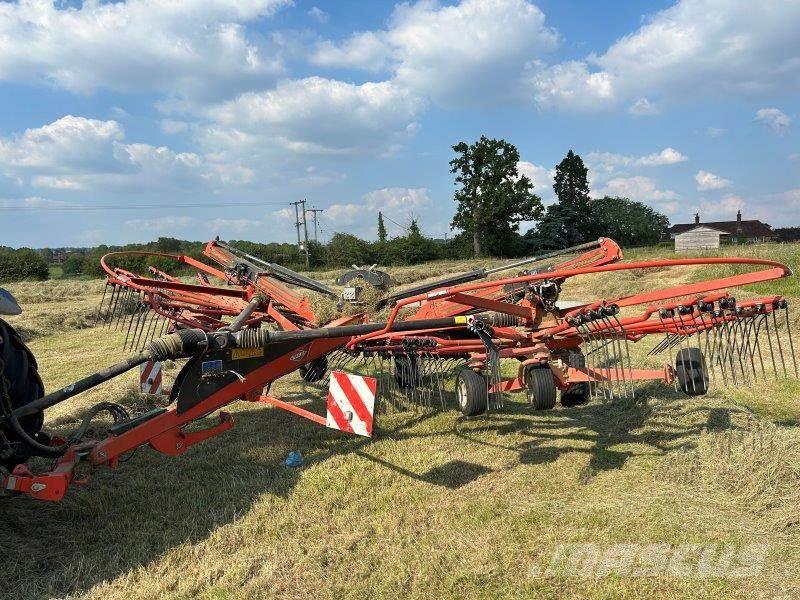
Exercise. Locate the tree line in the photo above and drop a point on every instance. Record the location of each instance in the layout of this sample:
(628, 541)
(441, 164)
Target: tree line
(492, 199)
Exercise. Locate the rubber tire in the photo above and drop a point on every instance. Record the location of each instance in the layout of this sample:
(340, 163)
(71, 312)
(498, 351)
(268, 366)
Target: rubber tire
(691, 371)
(315, 370)
(25, 386)
(578, 393)
(471, 392)
(541, 387)
(406, 371)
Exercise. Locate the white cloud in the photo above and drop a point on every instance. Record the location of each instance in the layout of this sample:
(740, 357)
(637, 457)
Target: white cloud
(317, 116)
(725, 208)
(365, 50)
(69, 142)
(397, 204)
(708, 181)
(668, 156)
(186, 48)
(643, 108)
(466, 54)
(172, 127)
(76, 153)
(716, 132)
(774, 119)
(160, 224)
(640, 189)
(31, 202)
(607, 163)
(319, 15)
(541, 177)
(571, 86)
(56, 183)
(696, 47)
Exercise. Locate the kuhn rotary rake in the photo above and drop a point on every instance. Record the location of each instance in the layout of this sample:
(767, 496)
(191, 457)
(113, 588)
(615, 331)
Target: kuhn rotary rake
(250, 329)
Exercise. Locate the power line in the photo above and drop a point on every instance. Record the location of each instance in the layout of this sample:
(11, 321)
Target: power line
(297, 213)
(314, 212)
(83, 207)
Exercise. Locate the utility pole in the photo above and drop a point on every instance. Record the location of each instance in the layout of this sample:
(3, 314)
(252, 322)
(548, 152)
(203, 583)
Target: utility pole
(314, 212)
(302, 245)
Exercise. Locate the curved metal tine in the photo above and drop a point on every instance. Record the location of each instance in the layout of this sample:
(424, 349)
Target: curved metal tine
(141, 324)
(716, 350)
(779, 343)
(685, 335)
(139, 315)
(392, 382)
(768, 334)
(608, 391)
(757, 342)
(128, 333)
(791, 343)
(737, 327)
(600, 383)
(123, 308)
(749, 328)
(624, 336)
(440, 381)
(153, 321)
(727, 348)
(662, 345)
(744, 348)
(112, 305)
(615, 357)
(671, 362)
(100, 307)
(589, 357)
(424, 387)
(703, 334)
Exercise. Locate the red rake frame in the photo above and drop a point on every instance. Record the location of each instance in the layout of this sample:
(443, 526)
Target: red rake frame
(532, 341)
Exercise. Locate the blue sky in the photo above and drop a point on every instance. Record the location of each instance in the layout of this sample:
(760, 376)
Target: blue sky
(241, 106)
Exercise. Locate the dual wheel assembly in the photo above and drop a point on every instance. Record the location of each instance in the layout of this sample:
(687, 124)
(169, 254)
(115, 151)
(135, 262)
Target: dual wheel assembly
(690, 371)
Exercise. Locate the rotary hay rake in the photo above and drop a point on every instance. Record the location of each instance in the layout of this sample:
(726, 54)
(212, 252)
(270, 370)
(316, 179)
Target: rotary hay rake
(240, 336)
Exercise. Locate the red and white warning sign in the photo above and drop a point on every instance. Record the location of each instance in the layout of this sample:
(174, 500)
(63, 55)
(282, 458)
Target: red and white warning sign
(150, 377)
(351, 403)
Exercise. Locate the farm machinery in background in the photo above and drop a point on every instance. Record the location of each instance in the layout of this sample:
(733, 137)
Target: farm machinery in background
(244, 324)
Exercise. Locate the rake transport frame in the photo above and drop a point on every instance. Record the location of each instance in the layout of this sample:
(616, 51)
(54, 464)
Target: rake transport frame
(241, 337)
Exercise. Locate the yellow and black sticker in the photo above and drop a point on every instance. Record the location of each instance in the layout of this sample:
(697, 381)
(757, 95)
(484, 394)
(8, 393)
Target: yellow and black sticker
(241, 353)
(461, 320)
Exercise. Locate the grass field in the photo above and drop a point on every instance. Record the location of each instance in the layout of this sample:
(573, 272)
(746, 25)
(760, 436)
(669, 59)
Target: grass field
(435, 506)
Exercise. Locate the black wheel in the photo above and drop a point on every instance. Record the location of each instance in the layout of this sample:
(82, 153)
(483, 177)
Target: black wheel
(471, 392)
(315, 370)
(690, 369)
(406, 371)
(577, 393)
(24, 386)
(541, 387)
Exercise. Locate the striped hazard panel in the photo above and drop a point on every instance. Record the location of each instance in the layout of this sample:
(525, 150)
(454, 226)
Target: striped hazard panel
(351, 403)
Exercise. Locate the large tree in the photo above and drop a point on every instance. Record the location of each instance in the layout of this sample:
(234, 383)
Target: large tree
(381, 229)
(492, 196)
(571, 182)
(627, 222)
(570, 221)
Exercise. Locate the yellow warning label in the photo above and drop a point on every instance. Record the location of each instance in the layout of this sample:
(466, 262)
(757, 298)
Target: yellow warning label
(461, 320)
(240, 353)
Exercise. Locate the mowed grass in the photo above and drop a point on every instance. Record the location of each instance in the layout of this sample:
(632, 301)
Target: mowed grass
(434, 506)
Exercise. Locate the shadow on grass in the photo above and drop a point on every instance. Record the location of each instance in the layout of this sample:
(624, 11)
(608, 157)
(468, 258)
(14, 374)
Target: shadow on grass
(127, 519)
(599, 427)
